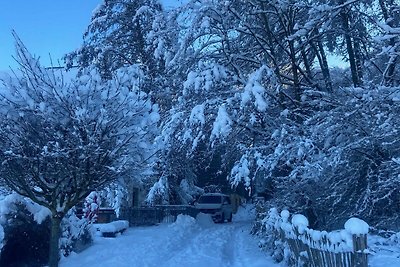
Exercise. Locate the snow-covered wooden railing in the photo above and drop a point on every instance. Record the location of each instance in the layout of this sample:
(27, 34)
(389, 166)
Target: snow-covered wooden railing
(347, 247)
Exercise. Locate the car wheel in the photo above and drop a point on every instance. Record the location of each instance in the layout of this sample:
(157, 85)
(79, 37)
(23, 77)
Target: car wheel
(222, 218)
(230, 218)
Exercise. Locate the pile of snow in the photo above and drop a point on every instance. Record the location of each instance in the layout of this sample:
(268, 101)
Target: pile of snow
(204, 220)
(183, 221)
(245, 213)
(186, 223)
(356, 226)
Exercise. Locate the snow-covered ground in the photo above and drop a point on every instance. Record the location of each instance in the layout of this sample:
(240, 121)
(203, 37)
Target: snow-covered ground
(199, 243)
(187, 242)
(385, 252)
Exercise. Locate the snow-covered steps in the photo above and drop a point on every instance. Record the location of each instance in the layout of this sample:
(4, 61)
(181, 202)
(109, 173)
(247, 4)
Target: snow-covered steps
(112, 229)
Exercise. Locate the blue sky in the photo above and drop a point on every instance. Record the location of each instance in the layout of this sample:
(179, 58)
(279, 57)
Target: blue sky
(52, 27)
(45, 26)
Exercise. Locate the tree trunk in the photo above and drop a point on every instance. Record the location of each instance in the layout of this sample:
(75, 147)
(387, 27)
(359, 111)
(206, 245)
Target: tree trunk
(349, 46)
(306, 62)
(54, 254)
(359, 60)
(323, 64)
(296, 82)
(270, 43)
(325, 67)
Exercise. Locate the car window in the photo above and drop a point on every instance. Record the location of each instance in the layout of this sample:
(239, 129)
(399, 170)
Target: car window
(209, 199)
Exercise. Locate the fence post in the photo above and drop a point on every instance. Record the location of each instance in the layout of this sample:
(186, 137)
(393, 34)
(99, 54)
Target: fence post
(359, 246)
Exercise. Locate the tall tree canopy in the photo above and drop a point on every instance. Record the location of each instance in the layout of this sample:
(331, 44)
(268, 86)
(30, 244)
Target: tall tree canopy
(249, 84)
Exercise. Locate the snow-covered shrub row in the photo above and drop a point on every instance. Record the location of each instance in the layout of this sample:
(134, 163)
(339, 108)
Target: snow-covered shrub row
(284, 225)
(264, 228)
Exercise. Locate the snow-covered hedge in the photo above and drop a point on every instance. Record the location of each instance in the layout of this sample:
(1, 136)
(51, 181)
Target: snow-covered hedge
(24, 225)
(73, 228)
(9, 204)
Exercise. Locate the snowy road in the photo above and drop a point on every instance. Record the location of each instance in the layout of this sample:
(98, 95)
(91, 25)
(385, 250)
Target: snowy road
(197, 243)
(185, 243)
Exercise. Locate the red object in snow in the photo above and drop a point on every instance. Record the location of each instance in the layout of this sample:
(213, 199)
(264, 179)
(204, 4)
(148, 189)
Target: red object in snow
(91, 207)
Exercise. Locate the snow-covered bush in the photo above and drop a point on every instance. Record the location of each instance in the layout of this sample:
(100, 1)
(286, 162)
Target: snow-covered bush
(265, 228)
(115, 196)
(159, 192)
(76, 233)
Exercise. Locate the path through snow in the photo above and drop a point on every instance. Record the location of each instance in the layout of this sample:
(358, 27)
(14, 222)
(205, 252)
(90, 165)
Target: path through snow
(198, 243)
(188, 242)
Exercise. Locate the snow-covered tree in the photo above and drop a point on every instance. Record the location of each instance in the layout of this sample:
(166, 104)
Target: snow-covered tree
(116, 36)
(387, 50)
(62, 138)
(131, 32)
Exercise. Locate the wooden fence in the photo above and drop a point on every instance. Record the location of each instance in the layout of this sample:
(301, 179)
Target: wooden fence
(156, 214)
(308, 247)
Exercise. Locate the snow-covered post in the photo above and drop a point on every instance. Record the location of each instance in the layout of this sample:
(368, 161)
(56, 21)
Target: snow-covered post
(300, 224)
(359, 231)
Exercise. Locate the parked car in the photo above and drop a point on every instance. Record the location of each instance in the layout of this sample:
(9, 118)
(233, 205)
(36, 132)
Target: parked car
(216, 204)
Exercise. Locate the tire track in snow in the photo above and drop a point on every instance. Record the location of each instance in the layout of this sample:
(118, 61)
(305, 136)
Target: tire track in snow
(246, 250)
(204, 248)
